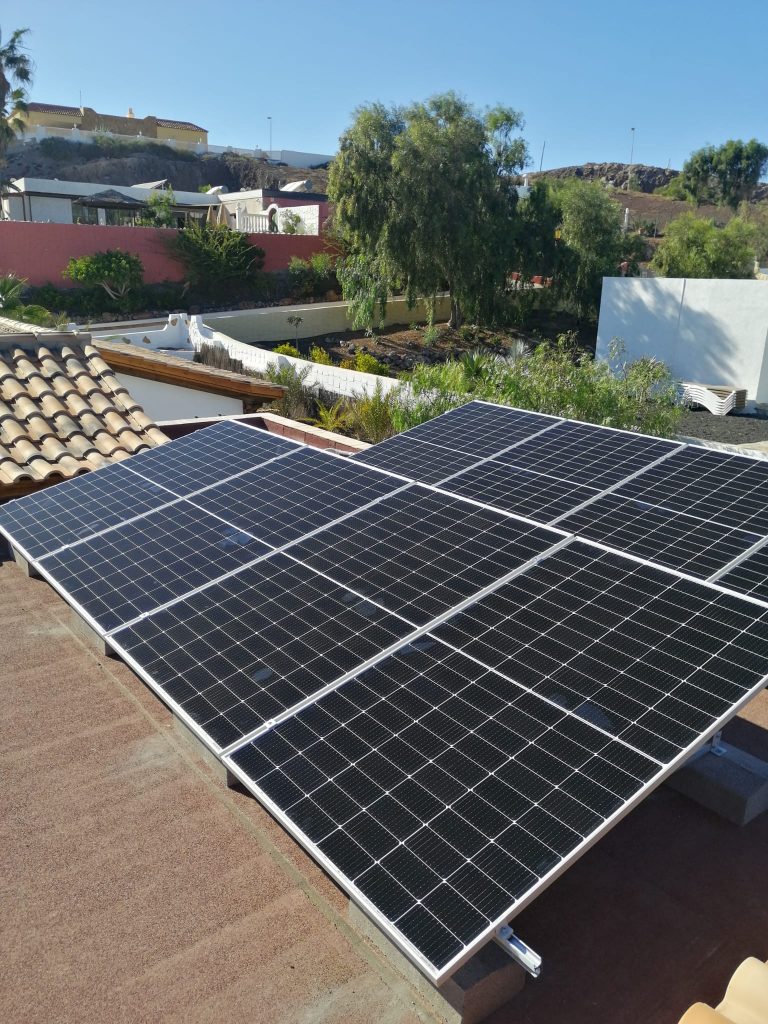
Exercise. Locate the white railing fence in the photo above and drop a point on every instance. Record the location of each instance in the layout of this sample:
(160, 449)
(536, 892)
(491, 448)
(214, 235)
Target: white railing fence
(349, 383)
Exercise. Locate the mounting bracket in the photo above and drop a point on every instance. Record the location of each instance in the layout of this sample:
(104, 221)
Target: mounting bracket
(518, 950)
(716, 746)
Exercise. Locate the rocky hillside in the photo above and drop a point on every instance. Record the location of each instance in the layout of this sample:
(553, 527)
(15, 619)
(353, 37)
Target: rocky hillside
(645, 179)
(118, 164)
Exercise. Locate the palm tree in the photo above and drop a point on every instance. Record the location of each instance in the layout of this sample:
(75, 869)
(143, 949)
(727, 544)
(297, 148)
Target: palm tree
(15, 74)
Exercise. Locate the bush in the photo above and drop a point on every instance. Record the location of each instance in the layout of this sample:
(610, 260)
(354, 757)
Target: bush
(693, 247)
(298, 402)
(292, 224)
(311, 278)
(366, 363)
(319, 355)
(370, 416)
(219, 263)
(218, 357)
(11, 288)
(431, 335)
(555, 379)
(287, 349)
(120, 274)
(333, 417)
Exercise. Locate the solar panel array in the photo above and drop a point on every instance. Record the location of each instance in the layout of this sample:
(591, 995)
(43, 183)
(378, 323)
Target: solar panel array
(446, 664)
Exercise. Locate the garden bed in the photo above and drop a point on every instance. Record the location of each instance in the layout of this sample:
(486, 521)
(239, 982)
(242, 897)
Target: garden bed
(736, 428)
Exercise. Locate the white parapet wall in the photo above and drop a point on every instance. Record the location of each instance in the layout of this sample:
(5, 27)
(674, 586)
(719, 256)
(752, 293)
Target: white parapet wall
(707, 331)
(271, 323)
(350, 383)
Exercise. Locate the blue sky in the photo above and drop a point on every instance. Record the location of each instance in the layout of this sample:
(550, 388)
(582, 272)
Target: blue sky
(583, 74)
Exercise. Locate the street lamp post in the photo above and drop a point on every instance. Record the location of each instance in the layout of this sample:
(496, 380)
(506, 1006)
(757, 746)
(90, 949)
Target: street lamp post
(631, 157)
(269, 118)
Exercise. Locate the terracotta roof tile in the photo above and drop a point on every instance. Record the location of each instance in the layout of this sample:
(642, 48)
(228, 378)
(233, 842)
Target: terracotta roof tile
(63, 411)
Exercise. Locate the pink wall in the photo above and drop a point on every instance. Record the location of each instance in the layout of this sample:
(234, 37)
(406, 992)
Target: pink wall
(40, 252)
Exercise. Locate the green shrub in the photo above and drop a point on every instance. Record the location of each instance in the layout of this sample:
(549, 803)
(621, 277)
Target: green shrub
(319, 355)
(370, 416)
(366, 363)
(334, 417)
(219, 263)
(11, 288)
(300, 278)
(431, 335)
(298, 401)
(287, 349)
(292, 224)
(120, 274)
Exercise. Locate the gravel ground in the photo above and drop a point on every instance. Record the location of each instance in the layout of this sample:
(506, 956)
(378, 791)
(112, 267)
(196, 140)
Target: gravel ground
(732, 429)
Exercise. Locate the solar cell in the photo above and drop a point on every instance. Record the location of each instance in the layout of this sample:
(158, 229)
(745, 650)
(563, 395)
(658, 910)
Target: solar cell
(246, 648)
(48, 520)
(209, 455)
(480, 429)
(499, 483)
(728, 489)
(132, 569)
(750, 576)
(581, 453)
(439, 792)
(673, 539)
(417, 460)
(291, 496)
(419, 553)
(646, 656)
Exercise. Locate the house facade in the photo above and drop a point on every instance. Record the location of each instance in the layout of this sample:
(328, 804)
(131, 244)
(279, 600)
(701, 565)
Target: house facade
(40, 116)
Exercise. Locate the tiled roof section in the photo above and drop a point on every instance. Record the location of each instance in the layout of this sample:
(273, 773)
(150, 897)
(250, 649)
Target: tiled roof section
(53, 108)
(63, 412)
(165, 123)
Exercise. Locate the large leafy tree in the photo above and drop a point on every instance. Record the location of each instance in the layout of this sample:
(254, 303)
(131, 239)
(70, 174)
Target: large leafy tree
(724, 174)
(424, 201)
(15, 75)
(593, 243)
(694, 247)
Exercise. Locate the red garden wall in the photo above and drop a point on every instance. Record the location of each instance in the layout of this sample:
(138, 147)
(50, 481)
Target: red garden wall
(40, 252)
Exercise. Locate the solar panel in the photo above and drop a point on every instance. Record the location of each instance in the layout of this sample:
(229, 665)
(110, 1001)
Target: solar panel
(291, 496)
(445, 702)
(419, 553)
(132, 569)
(673, 539)
(209, 455)
(727, 489)
(415, 459)
(60, 515)
(420, 782)
(651, 658)
(447, 784)
(480, 429)
(246, 648)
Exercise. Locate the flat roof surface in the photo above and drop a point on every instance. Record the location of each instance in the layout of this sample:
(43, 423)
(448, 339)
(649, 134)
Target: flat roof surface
(138, 888)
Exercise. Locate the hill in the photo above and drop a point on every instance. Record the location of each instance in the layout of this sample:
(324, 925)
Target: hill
(112, 163)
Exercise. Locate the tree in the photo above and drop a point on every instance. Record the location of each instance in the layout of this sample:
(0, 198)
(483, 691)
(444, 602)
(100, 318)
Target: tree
(159, 212)
(593, 243)
(15, 74)
(725, 174)
(219, 262)
(117, 272)
(694, 247)
(424, 201)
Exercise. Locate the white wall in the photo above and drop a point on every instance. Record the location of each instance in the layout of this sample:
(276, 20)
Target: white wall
(49, 209)
(706, 331)
(170, 402)
(341, 382)
(271, 323)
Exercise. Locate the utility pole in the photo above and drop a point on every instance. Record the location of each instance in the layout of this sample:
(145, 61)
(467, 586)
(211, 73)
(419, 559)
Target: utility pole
(269, 118)
(631, 158)
(541, 162)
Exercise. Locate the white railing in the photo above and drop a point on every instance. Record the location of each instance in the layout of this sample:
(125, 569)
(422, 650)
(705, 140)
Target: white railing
(350, 383)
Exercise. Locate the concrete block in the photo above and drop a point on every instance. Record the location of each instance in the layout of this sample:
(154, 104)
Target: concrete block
(484, 984)
(86, 632)
(26, 567)
(222, 773)
(733, 785)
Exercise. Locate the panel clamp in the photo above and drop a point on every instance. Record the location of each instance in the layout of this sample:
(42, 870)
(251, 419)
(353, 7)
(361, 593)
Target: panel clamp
(716, 745)
(518, 950)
